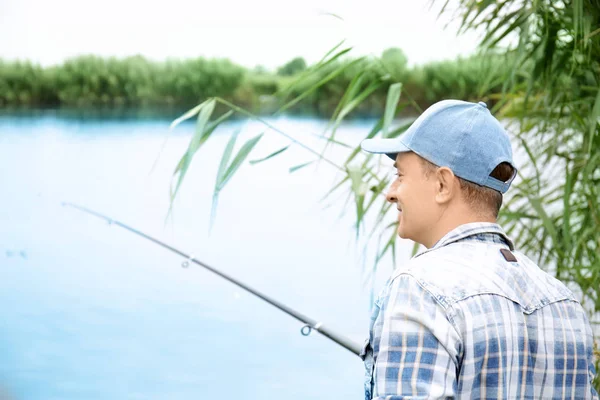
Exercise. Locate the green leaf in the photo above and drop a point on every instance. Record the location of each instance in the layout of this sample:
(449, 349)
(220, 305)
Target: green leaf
(220, 175)
(415, 249)
(320, 83)
(390, 106)
(376, 128)
(376, 192)
(594, 123)
(400, 129)
(517, 23)
(297, 167)
(274, 128)
(225, 160)
(566, 217)
(239, 159)
(275, 153)
(359, 188)
(385, 208)
(187, 115)
(335, 187)
(533, 162)
(209, 128)
(548, 223)
(321, 65)
(334, 141)
(351, 91)
(201, 125)
(214, 125)
(197, 140)
(226, 172)
(356, 101)
(351, 99)
(389, 245)
(331, 51)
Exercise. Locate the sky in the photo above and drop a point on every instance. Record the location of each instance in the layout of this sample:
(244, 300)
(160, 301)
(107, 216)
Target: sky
(251, 33)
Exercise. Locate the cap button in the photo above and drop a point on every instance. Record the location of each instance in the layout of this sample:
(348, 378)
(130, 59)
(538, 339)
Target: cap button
(482, 104)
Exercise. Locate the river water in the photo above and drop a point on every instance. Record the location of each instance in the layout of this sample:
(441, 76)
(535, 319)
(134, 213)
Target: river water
(91, 311)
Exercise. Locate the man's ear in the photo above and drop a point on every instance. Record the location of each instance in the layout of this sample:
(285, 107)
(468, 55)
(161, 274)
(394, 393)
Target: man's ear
(445, 185)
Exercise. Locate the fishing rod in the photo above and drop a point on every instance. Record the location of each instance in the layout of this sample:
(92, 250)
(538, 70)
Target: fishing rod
(309, 323)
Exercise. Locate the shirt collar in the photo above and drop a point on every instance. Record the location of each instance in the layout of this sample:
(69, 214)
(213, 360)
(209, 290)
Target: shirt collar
(466, 230)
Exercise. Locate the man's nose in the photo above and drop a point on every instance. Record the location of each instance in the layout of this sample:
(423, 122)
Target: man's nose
(391, 196)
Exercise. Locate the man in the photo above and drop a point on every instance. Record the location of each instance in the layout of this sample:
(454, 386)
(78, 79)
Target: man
(469, 317)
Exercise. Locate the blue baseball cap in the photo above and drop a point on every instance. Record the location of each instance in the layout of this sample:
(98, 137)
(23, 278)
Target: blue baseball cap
(460, 135)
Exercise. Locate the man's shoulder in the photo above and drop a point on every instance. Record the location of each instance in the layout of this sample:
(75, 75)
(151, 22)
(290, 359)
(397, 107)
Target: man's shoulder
(445, 278)
(451, 276)
(437, 266)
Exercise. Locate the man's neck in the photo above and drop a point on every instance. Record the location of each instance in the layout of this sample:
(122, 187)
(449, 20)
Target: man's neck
(452, 222)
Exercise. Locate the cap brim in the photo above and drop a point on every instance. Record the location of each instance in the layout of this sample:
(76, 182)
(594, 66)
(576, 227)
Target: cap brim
(390, 147)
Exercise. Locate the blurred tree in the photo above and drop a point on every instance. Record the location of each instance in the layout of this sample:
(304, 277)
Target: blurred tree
(260, 70)
(395, 62)
(292, 67)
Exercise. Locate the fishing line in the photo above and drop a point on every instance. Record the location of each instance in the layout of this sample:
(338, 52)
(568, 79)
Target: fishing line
(309, 323)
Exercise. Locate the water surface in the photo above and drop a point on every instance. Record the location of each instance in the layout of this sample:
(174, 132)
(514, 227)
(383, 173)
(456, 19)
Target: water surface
(93, 312)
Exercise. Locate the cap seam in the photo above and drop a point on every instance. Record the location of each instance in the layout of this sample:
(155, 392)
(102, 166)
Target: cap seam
(420, 154)
(463, 139)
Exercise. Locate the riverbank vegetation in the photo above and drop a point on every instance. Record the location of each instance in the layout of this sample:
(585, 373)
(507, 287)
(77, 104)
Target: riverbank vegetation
(136, 82)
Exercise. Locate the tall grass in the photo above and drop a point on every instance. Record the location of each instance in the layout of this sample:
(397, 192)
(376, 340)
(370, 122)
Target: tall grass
(546, 81)
(555, 101)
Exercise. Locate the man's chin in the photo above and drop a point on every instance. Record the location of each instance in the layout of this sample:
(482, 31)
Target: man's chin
(402, 233)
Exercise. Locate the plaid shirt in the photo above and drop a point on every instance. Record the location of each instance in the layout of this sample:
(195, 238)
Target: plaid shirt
(462, 321)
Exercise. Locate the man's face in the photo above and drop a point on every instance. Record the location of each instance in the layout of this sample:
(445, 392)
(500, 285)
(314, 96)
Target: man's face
(414, 196)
